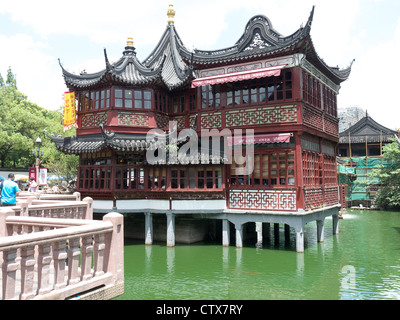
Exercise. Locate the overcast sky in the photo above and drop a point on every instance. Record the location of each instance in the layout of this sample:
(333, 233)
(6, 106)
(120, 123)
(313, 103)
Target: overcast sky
(34, 34)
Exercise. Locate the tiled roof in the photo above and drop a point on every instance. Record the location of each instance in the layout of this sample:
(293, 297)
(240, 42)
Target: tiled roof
(164, 66)
(366, 128)
(260, 41)
(171, 63)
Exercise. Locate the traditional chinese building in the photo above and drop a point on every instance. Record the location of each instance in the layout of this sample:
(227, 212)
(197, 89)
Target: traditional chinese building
(273, 84)
(360, 151)
(365, 138)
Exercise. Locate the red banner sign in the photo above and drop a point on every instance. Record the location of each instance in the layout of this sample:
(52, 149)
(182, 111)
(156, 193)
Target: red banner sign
(260, 138)
(238, 76)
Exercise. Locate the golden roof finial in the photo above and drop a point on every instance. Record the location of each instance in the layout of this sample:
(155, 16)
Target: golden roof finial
(129, 42)
(171, 14)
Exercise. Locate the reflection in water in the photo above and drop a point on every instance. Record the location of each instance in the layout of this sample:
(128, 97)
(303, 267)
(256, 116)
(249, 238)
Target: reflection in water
(170, 259)
(362, 262)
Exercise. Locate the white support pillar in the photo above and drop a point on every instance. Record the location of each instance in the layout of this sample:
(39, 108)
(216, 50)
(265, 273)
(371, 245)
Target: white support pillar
(170, 230)
(225, 233)
(148, 235)
(300, 239)
(239, 235)
(259, 230)
(335, 221)
(320, 230)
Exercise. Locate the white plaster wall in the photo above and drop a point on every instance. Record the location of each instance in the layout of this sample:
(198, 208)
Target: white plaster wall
(143, 204)
(102, 205)
(198, 205)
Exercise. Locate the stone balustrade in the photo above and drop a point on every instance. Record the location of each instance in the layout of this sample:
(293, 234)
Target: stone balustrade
(50, 251)
(54, 206)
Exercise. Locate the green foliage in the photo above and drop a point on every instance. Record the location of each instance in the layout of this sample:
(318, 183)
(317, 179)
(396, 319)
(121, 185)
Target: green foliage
(21, 122)
(388, 196)
(11, 79)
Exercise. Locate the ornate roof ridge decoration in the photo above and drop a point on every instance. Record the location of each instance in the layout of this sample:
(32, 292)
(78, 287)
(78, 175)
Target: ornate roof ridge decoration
(366, 128)
(260, 41)
(176, 71)
(259, 37)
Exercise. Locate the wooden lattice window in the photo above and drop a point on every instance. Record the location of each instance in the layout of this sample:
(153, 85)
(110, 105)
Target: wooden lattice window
(269, 169)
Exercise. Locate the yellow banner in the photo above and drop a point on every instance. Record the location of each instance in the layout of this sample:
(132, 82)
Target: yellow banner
(69, 110)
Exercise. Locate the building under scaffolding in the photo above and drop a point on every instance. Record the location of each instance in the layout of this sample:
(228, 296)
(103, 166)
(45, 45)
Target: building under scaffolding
(356, 175)
(360, 152)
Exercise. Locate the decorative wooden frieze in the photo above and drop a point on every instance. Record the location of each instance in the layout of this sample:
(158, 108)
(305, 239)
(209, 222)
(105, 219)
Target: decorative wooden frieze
(180, 121)
(306, 65)
(136, 119)
(318, 197)
(162, 121)
(280, 200)
(261, 115)
(313, 117)
(211, 120)
(192, 119)
(331, 125)
(91, 120)
(317, 119)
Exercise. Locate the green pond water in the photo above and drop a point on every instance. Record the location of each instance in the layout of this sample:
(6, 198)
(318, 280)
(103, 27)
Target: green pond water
(361, 262)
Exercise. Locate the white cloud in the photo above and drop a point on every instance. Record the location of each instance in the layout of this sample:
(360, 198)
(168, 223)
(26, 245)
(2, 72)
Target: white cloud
(37, 74)
(373, 84)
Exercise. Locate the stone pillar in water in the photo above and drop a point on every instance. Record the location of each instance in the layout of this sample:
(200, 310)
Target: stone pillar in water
(335, 220)
(239, 235)
(225, 233)
(320, 230)
(170, 230)
(148, 228)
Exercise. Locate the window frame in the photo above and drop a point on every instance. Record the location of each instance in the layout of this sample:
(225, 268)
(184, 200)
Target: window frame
(264, 179)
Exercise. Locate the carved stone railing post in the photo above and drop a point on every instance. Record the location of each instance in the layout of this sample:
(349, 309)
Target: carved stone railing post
(5, 230)
(59, 256)
(27, 272)
(77, 195)
(44, 260)
(86, 258)
(114, 255)
(9, 268)
(98, 258)
(73, 261)
(89, 210)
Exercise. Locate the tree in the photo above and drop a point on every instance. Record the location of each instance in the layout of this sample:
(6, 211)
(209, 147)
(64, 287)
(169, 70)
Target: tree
(388, 195)
(21, 122)
(11, 79)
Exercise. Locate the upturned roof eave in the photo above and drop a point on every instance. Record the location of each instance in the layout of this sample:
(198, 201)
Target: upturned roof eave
(277, 43)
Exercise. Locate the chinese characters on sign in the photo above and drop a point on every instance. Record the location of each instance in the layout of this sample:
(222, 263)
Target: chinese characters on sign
(69, 110)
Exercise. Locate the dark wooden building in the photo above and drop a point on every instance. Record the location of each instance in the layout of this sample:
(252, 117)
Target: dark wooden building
(364, 138)
(276, 85)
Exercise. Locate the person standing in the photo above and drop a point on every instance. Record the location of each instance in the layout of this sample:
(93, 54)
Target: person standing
(9, 191)
(32, 185)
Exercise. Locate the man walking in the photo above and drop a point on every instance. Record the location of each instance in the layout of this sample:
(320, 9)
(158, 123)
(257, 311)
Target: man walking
(9, 191)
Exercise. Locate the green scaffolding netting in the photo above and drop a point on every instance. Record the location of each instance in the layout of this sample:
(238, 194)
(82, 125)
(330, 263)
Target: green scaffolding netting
(358, 178)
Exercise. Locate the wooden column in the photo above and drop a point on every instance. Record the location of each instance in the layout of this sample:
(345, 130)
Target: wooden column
(298, 160)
